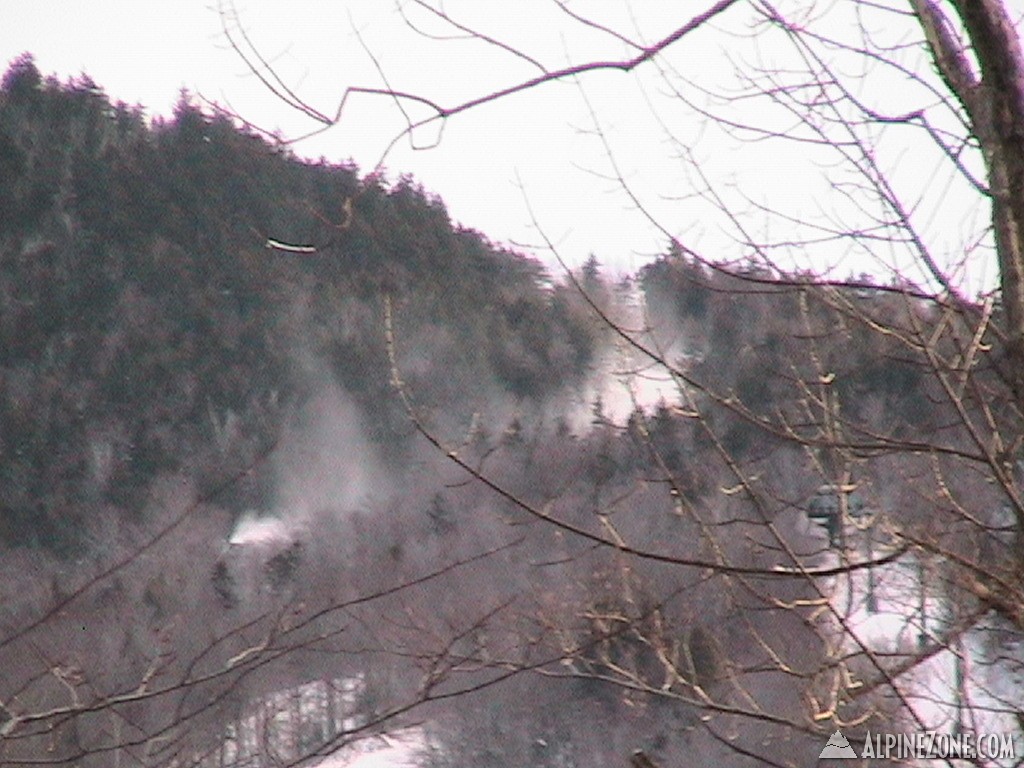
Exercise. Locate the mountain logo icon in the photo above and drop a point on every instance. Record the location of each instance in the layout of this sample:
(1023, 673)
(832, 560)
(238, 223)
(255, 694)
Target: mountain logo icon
(838, 748)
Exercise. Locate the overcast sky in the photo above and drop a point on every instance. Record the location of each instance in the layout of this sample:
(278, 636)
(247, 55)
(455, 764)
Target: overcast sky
(145, 51)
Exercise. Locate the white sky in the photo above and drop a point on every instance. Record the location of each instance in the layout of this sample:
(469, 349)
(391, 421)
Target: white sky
(144, 51)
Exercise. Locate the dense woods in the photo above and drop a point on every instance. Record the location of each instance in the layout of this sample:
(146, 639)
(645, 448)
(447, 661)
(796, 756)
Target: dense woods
(223, 537)
(148, 329)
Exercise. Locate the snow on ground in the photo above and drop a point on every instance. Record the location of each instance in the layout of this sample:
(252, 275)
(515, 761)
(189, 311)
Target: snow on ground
(958, 687)
(391, 752)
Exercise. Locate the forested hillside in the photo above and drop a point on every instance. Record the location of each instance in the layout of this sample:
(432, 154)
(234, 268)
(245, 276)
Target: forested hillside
(146, 327)
(221, 367)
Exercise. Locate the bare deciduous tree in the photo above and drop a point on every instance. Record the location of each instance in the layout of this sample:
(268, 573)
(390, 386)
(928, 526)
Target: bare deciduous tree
(661, 573)
(851, 86)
